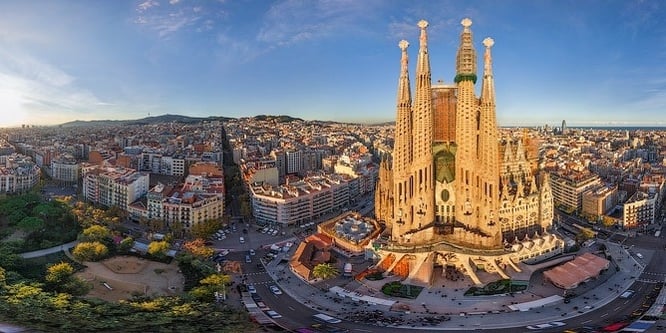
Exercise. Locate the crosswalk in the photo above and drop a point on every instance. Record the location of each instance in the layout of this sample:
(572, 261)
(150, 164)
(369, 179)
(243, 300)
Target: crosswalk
(652, 277)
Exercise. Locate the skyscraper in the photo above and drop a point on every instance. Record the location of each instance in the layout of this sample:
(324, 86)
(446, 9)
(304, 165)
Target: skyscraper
(451, 185)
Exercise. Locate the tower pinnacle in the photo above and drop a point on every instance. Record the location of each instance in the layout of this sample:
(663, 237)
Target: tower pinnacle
(488, 88)
(466, 57)
(403, 151)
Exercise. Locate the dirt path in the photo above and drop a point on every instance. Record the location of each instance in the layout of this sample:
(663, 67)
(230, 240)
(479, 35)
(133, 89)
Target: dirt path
(126, 276)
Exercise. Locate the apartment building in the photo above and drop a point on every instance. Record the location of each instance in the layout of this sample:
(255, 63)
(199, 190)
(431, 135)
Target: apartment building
(18, 173)
(114, 186)
(300, 202)
(568, 189)
(599, 200)
(639, 210)
(65, 168)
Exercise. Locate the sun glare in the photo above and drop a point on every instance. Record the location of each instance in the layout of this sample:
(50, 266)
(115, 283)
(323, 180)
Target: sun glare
(11, 109)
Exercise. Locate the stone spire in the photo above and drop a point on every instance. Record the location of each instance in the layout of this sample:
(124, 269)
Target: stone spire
(466, 57)
(488, 84)
(422, 113)
(422, 136)
(488, 135)
(402, 151)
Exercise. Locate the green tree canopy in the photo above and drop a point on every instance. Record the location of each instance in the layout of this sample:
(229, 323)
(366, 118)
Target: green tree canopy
(205, 228)
(2, 277)
(209, 285)
(325, 271)
(126, 244)
(31, 224)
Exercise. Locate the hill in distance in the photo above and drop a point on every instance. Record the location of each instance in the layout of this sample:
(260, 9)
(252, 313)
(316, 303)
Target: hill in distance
(171, 118)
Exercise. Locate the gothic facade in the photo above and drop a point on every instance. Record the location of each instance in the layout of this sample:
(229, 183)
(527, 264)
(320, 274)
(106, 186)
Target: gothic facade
(451, 184)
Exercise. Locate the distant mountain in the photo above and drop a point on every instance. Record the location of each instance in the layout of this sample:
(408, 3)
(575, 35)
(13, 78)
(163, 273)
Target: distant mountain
(279, 119)
(167, 118)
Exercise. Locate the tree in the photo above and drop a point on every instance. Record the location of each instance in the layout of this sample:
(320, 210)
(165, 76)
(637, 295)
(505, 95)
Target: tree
(209, 285)
(325, 271)
(96, 233)
(198, 248)
(205, 228)
(608, 221)
(9, 259)
(90, 251)
(584, 234)
(155, 225)
(31, 224)
(59, 273)
(158, 248)
(245, 206)
(2, 277)
(177, 229)
(126, 244)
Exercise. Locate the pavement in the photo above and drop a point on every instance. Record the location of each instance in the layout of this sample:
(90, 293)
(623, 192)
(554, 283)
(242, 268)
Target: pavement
(43, 252)
(447, 297)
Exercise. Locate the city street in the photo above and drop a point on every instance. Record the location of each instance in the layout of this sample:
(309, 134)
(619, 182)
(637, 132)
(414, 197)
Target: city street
(597, 304)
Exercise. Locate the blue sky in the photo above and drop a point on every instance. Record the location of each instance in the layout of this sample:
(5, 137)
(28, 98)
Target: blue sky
(590, 62)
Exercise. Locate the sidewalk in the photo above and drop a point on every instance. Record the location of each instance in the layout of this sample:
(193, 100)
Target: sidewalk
(467, 312)
(50, 250)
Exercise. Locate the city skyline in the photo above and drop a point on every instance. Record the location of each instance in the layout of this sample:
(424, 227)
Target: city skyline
(593, 63)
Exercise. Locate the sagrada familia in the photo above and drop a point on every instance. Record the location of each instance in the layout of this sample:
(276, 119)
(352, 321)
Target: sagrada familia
(453, 193)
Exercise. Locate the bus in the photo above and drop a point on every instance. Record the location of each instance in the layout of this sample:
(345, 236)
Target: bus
(323, 318)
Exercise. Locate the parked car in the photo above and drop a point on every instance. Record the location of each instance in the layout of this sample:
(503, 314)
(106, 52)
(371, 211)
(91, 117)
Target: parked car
(262, 306)
(273, 314)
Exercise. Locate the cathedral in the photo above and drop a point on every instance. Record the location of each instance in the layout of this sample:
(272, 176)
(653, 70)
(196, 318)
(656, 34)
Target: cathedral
(454, 193)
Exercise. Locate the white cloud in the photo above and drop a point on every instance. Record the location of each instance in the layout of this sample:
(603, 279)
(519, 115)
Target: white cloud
(294, 21)
(31, 89)
(236, 50)
(144, 6)
(169, 20)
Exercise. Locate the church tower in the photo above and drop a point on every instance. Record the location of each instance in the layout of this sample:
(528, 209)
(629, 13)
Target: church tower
(402, 150)
(413, 183)
(423, 202)
(477, 159)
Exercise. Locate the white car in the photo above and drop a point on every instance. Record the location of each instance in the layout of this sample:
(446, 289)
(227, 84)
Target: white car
(273, 314)
(552, 324)
(275, 290)
(251, 289)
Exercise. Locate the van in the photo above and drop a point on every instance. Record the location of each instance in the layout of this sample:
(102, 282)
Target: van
(241, 240)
